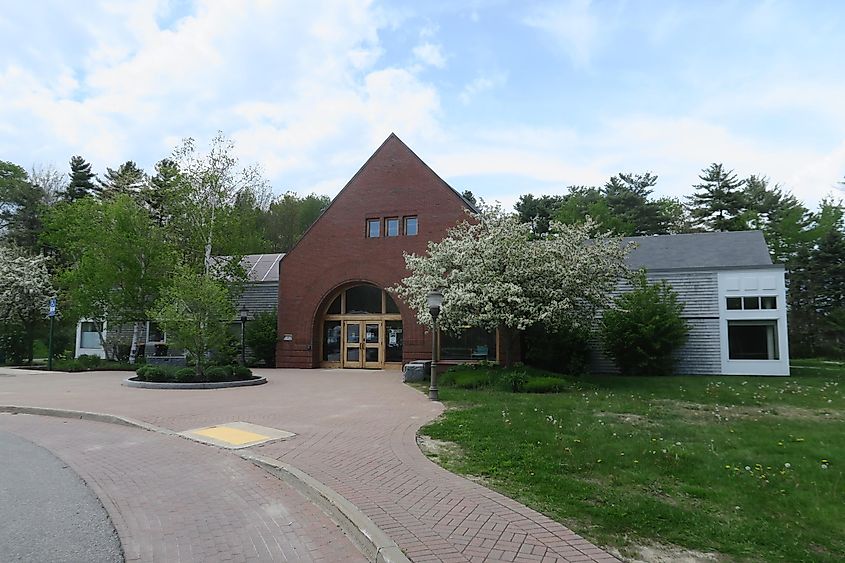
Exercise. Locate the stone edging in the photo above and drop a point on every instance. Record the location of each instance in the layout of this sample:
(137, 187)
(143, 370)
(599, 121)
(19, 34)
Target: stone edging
(215, 385)
(364, 533)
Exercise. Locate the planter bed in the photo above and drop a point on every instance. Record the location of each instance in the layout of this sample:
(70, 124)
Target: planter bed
(134, 382)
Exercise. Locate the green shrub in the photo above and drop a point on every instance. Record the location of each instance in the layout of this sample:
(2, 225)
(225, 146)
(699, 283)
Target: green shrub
(70, 365)
(470, 380)
(218, 373)
(644, 328)
(156, 373)
(513, 380)
(544, 385)
(241, 372)
(141, 372)
(185, 375)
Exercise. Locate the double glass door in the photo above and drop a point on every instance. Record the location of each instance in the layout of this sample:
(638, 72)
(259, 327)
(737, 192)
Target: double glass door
(363, 344)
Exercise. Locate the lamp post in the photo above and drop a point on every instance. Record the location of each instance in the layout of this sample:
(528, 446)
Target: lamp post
(244, 315)
(435, 301)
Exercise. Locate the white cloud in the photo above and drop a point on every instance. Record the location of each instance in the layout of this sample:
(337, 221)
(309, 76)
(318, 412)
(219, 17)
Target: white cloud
(481, 84)
(571, 25)
(430, 54)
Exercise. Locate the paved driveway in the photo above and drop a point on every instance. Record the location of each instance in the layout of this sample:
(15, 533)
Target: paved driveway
(355, 433)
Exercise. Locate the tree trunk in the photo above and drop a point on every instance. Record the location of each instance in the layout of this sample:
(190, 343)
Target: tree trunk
(133, 349)
(99, 327)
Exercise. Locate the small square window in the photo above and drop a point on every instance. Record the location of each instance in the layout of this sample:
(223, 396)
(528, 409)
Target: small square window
(391, 227)
(410, 226)
(770, 302)
(373, 228)
(734, 303)
(750, 303)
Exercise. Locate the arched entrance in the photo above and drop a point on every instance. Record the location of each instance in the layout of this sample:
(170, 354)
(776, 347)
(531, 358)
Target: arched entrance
(361, 328)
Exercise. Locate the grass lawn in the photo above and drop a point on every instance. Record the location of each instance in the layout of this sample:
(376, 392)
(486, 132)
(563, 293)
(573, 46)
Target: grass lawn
(748, 468)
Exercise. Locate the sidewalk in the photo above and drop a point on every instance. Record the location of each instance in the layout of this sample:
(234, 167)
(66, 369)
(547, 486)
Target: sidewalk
(355, 432)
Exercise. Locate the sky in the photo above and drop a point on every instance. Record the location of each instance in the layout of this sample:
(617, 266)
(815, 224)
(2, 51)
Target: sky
(500, 98)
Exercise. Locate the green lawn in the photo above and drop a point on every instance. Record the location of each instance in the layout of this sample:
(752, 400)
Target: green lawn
(746, 467)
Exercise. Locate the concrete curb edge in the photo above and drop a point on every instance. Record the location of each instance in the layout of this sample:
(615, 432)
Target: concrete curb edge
(364, 533)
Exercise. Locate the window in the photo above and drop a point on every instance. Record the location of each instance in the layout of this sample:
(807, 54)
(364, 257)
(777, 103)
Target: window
(155, 334)
(363, 299)
(469, 344)
(391, 227)
(88, 337)
(410, 226)
(751, 303)
(331, 343)
(373, 228)
(753, 340)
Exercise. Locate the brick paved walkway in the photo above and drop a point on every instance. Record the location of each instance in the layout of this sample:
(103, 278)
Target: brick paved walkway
(355, 433)
(173, 500)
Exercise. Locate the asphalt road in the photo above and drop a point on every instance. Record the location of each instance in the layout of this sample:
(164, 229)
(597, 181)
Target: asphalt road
(47, 513)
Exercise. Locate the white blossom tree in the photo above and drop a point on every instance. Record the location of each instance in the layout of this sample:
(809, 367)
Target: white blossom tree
(495, 274)
(25, 291)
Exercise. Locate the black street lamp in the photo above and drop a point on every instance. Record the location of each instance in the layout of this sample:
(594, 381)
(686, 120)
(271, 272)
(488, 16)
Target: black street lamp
(244, 316)
(435, 301)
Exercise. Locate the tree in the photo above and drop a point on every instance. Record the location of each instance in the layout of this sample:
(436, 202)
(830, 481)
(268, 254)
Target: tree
(538, 211)
(161, 192)
(81, 180)
(785, 222)
(21, 205)
(25, 291)
(194, 310)
(718, 203)
(261, 337)
(644, 328)
(119, 260)
(495, 274)
(289, 216)
(128, 179)
(209, 185)
(469, 196)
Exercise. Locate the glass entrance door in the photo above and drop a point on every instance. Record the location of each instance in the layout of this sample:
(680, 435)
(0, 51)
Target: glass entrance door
(363, 344)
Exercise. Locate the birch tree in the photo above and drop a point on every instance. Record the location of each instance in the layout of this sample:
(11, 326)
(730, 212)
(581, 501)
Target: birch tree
(497, 275)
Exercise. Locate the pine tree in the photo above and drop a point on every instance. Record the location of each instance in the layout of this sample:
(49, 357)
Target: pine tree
(718, 203)
(81, 180)
(160, 191)
(127, 179)
(627, 196)
(785, 222)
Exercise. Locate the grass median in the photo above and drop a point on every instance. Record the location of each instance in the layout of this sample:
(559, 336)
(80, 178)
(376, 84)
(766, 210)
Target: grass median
(741, 467)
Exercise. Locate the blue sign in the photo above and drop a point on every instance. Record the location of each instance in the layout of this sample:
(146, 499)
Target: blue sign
(52, 312)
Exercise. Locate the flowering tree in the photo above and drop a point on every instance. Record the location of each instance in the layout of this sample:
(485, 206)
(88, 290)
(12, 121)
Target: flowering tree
(495, 274)
(25, 291)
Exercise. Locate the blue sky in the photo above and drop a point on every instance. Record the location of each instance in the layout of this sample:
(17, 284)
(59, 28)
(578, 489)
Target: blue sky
(502, 98)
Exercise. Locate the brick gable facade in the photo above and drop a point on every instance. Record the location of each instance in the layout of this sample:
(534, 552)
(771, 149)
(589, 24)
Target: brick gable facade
(336, 253)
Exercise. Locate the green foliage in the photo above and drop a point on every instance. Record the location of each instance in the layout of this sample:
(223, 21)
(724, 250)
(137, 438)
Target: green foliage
(154, 373)
(289, 216)
(564, 350)
(69, 365)
(89, 361)
(194, 311)
(513, 380)
(81, 180)
(241, 372)
(128, 179)
(185, 375)
(218, 373)
(470, 380)
(644, 328)
(544, 385)
(719, 201)
(261, 337)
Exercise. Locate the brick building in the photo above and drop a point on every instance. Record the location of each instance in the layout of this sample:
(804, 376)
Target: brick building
(333, 310)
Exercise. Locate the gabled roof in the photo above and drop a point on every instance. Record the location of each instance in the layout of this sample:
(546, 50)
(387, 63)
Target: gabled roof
(734, 249)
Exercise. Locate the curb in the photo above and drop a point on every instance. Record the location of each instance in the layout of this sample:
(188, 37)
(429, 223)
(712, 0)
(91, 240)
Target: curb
(364, 533)
(369, 538)
(217, 385)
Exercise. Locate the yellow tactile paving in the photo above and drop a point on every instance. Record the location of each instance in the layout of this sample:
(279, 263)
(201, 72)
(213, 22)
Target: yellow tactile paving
(231, 435)
(235, 435)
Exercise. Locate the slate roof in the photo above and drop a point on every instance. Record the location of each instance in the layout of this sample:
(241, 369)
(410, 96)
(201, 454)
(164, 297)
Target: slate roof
(735, 249)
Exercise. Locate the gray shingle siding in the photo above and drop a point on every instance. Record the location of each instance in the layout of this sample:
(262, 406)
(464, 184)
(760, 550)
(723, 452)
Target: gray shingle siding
(699, 291)
(259, 297)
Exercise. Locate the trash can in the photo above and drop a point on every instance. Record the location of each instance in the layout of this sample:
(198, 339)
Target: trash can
(418, 370)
